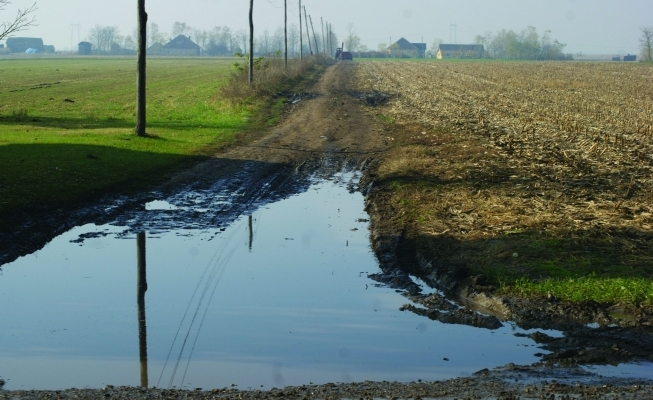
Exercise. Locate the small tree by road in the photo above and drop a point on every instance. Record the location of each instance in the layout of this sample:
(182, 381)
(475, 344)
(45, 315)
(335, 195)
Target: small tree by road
(646, 43)
(352, 41)
(24, 18)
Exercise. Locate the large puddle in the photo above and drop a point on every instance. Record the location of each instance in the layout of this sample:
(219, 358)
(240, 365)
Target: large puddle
(279, 297)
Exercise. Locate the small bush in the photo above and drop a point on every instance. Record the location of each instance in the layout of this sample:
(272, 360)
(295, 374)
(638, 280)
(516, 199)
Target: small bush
(269, 74)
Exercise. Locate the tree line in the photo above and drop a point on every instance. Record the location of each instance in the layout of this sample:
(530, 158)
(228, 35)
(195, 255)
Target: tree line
(524, 45)
(218, 41)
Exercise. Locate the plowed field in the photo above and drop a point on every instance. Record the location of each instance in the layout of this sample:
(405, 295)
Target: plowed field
(537, 172)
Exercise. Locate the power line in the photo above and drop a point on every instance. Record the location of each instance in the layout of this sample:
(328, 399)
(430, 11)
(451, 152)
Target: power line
(452, 28)
(72, 31)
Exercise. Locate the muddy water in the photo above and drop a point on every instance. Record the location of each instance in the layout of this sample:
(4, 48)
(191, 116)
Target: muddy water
(278, 297)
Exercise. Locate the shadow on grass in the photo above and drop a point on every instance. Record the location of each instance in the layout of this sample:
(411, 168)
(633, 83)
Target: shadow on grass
(104, 123)
(42, 174)
(48, 189)
(601, 262)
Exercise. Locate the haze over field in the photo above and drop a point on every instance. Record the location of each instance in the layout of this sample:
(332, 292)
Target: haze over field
(587, 26)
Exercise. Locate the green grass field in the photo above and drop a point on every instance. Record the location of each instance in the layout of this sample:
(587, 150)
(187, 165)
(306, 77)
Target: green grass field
(66, 125)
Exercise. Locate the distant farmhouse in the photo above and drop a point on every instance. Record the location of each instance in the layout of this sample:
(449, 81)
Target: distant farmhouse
(461, 51)
(405, 49)
(181, 46)
(155, 50)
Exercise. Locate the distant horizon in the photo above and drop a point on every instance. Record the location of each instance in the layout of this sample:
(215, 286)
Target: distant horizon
(599, 27)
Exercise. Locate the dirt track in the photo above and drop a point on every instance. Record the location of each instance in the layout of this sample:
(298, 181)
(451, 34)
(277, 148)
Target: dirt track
(325, 131)
(331, 125)
(321, 131)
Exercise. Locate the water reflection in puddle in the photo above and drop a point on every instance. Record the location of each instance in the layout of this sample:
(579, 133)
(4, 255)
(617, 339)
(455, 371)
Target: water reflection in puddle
(278, 298)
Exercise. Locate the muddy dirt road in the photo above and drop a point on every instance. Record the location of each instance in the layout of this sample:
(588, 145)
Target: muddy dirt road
(324, 131)
(321, 132)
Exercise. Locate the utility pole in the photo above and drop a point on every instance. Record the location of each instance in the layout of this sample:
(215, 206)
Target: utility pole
(140, 80)
(251, 42)
(317, 50)
(308, 35)
(285, 31)
(329, 41)
(323, 38)
(301, 42)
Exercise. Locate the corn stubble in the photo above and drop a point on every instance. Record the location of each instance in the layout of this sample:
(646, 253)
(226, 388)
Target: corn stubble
(559, 150)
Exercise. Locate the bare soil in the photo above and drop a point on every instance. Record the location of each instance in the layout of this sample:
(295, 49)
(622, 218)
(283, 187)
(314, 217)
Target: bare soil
(332, 128)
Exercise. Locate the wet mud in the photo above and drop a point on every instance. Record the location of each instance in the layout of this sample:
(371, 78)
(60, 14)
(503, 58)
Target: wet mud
(323, 132)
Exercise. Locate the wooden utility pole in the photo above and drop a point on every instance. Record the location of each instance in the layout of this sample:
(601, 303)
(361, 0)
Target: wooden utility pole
(141, 69)
(301, 43)
(329, 39)
(285, 31)
(308, 35)
(323, 38)
(317, 50)
(251, 42)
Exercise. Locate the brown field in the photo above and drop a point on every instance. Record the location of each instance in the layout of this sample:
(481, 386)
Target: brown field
(533, 169)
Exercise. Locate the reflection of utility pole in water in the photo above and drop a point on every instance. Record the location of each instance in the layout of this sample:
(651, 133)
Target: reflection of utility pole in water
(251, 234)
(142, 288)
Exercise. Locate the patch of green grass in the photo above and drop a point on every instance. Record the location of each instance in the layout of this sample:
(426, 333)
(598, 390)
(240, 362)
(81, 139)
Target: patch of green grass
(589, 271)
(448, 60)
(384, 118)
(275, 112)
(67, 125)
(587, 288)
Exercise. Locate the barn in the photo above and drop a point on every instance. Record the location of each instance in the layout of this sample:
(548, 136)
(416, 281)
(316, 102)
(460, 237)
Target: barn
(461, 51)
(21, 44)
(181, 46)
(84, 48)
(402, 48)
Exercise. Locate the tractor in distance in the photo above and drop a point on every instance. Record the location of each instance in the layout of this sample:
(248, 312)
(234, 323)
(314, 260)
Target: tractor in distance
(343, 55)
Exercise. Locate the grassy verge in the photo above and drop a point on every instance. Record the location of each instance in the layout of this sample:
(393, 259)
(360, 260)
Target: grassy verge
(67, 126)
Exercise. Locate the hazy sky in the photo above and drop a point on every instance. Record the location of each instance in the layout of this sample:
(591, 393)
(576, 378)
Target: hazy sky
(587, 26)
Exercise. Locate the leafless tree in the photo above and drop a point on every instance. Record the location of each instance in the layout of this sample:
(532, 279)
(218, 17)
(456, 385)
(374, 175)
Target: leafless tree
(23, 20)
(264, 43)
(293, 39)
(352, 41)
(646, 43)
(180, 28)
(155, 35)
(276, 41)
(201, 37)
(102, 37)
(241, 40)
